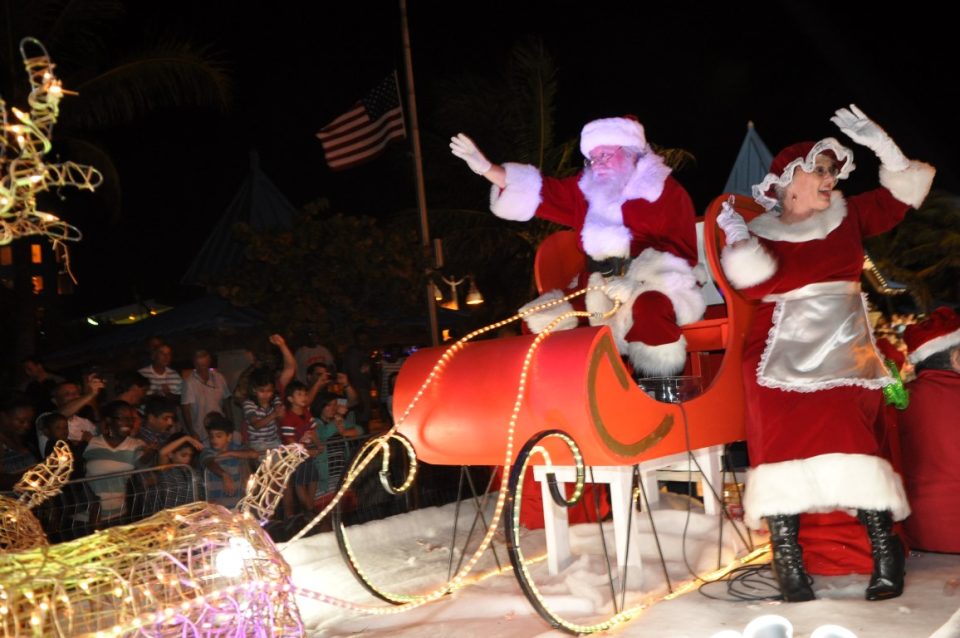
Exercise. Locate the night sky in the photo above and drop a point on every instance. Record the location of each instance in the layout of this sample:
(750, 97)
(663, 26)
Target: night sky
(694, 75)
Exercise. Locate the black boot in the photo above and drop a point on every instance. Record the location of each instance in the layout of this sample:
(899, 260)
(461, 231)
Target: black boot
(888, 556)
(788, 558)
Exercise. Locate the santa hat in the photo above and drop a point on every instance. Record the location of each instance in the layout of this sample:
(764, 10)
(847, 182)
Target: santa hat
(612, 131)
(938, 332)
(803, 155)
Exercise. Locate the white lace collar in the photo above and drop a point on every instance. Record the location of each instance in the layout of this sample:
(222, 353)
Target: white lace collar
(817, 226)
(842, 154)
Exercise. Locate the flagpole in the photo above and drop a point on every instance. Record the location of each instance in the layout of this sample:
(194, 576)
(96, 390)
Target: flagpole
(418, 166)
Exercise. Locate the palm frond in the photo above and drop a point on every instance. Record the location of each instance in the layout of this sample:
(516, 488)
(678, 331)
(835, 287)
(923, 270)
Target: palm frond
(76, 32)
(924, 250)
(532, 77)
(568, 159)
(169, 76)
(676, 158)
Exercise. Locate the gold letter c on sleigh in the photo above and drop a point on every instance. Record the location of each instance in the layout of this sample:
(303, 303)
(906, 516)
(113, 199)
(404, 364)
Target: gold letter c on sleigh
(606, 352)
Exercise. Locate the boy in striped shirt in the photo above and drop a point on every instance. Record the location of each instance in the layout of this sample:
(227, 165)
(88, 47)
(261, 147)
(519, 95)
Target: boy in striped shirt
(263, 412)
(226, 464)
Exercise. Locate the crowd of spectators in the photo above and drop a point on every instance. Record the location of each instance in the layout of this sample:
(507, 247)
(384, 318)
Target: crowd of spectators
(183, 429)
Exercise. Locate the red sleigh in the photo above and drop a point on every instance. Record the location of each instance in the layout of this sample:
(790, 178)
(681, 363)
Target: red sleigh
(580, 402)
(577, 382)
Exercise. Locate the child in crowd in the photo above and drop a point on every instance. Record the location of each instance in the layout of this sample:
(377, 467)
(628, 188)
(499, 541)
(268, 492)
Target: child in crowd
(335, 422)
(54, 426)
(321, 379)
(299, 426)
(178, 449)
(159, 421)
(17, 445)
(175, 485)
(226, 464)
(336, 418)
(263, 412)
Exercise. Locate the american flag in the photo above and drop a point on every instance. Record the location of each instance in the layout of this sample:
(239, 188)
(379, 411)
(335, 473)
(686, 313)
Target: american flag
(364, 131)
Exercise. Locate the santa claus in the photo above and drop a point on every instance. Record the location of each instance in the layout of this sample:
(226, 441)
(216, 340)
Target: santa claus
(636, 227)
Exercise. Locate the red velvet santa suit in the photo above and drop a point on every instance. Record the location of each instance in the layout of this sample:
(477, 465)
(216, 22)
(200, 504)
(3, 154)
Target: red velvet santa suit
(814, 450)
(652, 222)
(930, 443)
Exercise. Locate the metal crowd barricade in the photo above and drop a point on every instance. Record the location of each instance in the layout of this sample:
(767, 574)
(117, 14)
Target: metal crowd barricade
(93, 503)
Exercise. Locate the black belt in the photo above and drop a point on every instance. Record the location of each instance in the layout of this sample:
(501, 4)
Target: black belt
(609, 267)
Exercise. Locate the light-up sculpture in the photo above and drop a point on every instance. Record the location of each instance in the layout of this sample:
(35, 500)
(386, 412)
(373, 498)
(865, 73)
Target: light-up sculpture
(195, 570)
(25, 140)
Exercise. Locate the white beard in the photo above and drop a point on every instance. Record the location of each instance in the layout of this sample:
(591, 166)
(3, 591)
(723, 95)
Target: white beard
(605, 189)
(604, 233)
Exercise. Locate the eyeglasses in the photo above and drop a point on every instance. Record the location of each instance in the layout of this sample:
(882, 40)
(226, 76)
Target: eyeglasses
(604, 158)
(822, 171)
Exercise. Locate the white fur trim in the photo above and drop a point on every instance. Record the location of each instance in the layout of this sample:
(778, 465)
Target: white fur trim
(611, 131)
(648, 177)
(603, 234)
(664, 360)
(665, 272)
(817, 226)
(520, 198)
(823, 483)
(596, 301)
(700, 272)
(540, 320)
(748, 264)
(655, 271)
(933, 346)
(910, 185)
(807, 164)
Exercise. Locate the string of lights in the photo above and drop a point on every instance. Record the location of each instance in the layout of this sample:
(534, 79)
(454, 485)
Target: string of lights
(381, 445)
(203, 571)
(376, 446)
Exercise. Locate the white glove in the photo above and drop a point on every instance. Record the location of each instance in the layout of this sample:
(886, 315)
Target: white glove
(621, 289)
(732, 224)
(464, 148)
(864, 131)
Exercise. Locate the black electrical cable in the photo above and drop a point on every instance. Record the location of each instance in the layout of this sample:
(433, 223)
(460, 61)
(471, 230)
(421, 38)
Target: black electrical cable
(750, 583)
(716, 495)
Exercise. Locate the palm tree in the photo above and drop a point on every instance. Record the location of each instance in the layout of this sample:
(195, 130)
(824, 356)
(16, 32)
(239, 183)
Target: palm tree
(924, 251)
